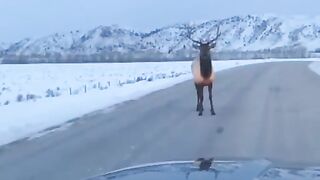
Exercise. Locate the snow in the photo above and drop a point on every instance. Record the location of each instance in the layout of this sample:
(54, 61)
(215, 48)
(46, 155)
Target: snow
(311, 173)
(4, 45)
(93, 87)
(315, 67)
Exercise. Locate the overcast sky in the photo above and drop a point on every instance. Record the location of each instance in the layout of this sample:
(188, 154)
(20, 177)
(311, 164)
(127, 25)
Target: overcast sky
(35, 18)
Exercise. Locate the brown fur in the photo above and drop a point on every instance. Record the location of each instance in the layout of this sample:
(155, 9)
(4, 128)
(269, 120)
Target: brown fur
(197, 77)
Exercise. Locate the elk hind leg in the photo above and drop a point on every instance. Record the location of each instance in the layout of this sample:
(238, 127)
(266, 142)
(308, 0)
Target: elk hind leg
(210, 99)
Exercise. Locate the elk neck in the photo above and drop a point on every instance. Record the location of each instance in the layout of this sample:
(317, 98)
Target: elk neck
(205, 65)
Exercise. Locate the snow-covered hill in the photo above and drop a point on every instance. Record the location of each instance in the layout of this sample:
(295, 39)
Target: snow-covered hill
(57, 43)
(4, 46)
(238, 33)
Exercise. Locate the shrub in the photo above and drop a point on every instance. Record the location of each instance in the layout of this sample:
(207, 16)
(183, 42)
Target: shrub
(139, 79)
(31, 97)
(20, 98)
(49, 93)
(6, 103)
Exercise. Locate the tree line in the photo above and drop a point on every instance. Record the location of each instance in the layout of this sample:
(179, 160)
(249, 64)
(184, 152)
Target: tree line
(155, 56)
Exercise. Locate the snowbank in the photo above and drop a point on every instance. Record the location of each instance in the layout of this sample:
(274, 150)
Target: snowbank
(315, 67)
(93, 87)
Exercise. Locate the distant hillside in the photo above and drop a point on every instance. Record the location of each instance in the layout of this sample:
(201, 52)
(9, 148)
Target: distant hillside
(242, 37)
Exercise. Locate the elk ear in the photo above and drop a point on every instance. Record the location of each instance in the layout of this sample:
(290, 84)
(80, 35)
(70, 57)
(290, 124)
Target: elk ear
(195, 46)
(213, 45)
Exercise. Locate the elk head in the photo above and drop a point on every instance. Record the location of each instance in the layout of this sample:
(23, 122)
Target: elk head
(204, 47)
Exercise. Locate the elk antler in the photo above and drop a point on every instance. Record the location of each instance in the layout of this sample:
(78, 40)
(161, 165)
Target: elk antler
(190, 31)
(217, 36)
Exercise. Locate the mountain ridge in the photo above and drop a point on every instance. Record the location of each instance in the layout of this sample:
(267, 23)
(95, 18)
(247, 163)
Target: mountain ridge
(239, 33)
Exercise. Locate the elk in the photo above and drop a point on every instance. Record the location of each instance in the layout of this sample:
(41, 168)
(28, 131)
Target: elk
(202, 69)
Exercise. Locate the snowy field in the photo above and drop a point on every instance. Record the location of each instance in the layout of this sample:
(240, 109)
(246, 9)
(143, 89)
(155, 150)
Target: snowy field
(34, 97)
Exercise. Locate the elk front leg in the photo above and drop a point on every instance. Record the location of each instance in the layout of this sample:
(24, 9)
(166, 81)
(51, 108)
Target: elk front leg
(198, 97)
(200, 100)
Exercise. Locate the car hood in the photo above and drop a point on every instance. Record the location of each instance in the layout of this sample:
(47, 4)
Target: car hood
(220, 170)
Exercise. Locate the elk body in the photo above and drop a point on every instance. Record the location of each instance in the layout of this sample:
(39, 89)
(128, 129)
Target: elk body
(202, 70)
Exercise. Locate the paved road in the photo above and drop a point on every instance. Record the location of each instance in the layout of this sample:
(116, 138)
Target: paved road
(263, 111)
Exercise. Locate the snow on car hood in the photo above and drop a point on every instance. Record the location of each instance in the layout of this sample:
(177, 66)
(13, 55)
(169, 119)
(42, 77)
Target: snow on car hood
(221, 170)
